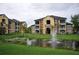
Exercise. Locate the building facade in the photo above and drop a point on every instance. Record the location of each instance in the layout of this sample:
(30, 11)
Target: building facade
(33, 28)
(23, 27)
(3, 24)
(50, 23)
(69, 28)
(10, 25)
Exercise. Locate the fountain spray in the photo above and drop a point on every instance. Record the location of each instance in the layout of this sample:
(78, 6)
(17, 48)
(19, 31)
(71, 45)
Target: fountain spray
(53, 39)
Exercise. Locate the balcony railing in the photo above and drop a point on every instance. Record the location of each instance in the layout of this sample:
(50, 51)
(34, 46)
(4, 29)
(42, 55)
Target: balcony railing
(62, 28)
(48, 25)
(37, 29)
(62, 23)
(36, 24)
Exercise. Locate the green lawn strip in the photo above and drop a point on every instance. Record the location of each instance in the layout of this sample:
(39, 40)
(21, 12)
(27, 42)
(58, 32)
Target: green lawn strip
(71, 37)
(25, 35)
(37, 36)
(13, 49)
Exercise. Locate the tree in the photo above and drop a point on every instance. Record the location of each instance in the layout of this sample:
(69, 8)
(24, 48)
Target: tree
(28, 30)
(75, 21)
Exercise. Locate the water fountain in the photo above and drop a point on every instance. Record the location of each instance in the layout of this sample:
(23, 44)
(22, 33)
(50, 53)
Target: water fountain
(28, 42)
(54, 40)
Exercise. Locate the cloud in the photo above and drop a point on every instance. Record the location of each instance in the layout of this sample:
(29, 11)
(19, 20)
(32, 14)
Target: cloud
(32, 11)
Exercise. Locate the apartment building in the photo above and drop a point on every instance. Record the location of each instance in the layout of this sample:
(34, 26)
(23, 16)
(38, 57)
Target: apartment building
(69, 28)
(32, 28)
(17, 25)
(50, 23)
(23, 27)
(3, 24)
(13, 25)
(10, 25)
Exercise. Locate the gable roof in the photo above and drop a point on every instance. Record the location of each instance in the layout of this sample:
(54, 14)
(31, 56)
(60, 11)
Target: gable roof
(3, 15)
(55, 17)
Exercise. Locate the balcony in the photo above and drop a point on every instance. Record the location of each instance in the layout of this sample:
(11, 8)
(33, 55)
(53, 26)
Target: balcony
(62, 28)
(36, 24)
(62, 23)
(48, 25)
(36, 27)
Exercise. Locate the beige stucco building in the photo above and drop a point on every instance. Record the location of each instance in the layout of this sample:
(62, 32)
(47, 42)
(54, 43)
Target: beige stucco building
(33, 28)
(69, 28)
(4, 23)
(50, 23)
(23, 27)
(11, 25)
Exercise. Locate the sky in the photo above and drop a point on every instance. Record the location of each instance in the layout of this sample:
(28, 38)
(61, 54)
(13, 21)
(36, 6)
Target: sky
(31, 11)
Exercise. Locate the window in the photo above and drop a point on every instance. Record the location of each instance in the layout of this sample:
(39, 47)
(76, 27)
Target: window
(9, 22)
(3, 20)
(62, 31)
(15, 23)
(37, 31)
(48, 21)
(62, 26)
(62, 21)
(37, 22)
(37, 27)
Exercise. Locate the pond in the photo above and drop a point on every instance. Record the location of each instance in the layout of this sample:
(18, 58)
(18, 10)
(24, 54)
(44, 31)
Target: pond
(45, 43)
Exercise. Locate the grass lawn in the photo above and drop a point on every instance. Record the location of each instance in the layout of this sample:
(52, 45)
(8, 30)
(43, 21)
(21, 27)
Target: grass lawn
(14, 49)
(70, 37)
(25, 35)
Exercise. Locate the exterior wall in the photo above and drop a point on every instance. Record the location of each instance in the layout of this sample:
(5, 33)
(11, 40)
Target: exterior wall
(45, 25)
(69, 29)
(12, 25)
(1, 19)
(62, 28)
(41, 26)
(37, 25)
(58, 26)
(6, 22)
(22, 28)
(33, 29)
(55, 24)
(17, 26)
